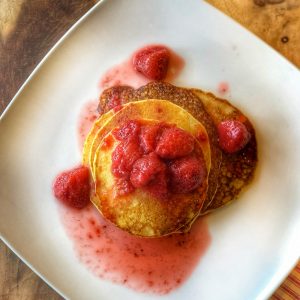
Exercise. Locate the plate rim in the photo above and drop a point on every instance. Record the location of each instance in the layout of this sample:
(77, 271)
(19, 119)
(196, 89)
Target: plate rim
(49, 53)
(32, 268)
(11, 103)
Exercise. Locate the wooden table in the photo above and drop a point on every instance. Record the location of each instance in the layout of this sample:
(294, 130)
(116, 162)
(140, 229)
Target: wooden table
(29, 28)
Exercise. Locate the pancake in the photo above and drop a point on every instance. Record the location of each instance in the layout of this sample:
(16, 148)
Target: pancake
(100, 122)
(140, 213)
(229, 173)
(111, 95)
(156, 110)
(237, 170)
(187, 100)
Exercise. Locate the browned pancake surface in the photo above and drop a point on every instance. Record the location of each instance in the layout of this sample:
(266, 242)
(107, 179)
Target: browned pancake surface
(237, 169)
(229, 172)
(181, 97)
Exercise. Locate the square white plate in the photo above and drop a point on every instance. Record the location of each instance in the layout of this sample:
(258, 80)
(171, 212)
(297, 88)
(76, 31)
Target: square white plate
(255, 242)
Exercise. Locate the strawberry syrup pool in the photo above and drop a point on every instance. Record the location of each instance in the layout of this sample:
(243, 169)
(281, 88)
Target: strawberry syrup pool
(223, 88)
(152, 265)
(124, 73)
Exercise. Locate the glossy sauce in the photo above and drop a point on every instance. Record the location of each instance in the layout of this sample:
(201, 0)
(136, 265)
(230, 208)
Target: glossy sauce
(223, 88)
(176, 65)
(124, 73)
(155, 265)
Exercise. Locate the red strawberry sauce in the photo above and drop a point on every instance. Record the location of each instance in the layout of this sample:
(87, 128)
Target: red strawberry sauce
(125, 74)
(223, 88)
(153, 265)
(171, 163)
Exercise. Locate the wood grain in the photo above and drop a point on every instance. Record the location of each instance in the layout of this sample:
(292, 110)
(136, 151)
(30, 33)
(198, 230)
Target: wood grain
(37, 25)
(18, 282)
(277, 24)
(29, 28)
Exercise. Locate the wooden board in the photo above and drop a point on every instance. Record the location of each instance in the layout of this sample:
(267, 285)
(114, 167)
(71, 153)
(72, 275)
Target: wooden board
(277, 24)
(29, 28)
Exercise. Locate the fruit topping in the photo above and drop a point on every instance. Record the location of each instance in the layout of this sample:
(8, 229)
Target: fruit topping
(148, 137)
(158, 158)
(145, 169)
(124, 156)
(186, 174)
(158, 187)
(174, 143)
(152, 62)
(233, 135)
(73, 187)
(128, 131)
(123, 187)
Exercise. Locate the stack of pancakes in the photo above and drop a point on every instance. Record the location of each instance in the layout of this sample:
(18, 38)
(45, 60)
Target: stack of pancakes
(194, 111)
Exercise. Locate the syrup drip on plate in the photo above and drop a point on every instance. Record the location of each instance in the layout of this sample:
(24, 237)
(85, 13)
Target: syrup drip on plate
(125, 74)
(154, 265)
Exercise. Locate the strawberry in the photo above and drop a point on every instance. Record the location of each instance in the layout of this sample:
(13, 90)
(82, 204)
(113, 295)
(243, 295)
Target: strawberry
(145, 169)
(186, 174)
(152, 62)
(173, 143)
(233, 136)
(73, 187)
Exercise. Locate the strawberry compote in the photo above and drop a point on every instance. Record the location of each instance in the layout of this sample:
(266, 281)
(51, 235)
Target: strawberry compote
(152, 62)
(156, 265)
(159, 158)
(72, 187)
(223, 87)
(152, 265)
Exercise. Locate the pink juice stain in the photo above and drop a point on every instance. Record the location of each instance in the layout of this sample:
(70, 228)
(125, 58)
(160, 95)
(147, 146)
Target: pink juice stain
(153, 265)
(223, 88)
(176, 65)
(125, 74)
(122, 74)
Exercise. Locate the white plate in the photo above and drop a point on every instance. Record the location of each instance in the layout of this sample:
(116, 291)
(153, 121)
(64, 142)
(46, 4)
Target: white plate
(254, 241)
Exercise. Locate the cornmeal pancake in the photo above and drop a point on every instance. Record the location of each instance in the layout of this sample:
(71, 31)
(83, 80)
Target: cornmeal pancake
(114, 95)
(229, 173)
(236, 169)
(156, 110)
(140, 213)
(183, 98)
(100, 122)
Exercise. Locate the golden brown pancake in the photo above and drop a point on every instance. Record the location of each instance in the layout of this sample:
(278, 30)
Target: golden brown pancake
(183, 98)
(237, 169)
(156, 110)
(229, 173)
(100, 122)
(140, 213)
